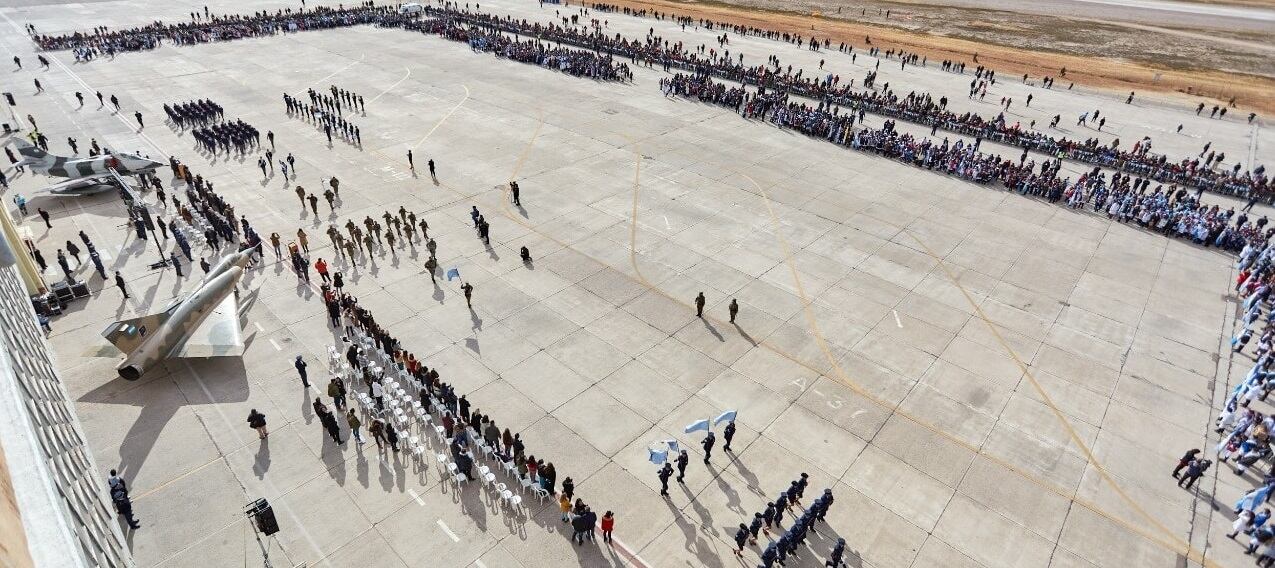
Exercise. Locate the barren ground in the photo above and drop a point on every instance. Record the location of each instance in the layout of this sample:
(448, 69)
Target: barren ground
(1119, 55)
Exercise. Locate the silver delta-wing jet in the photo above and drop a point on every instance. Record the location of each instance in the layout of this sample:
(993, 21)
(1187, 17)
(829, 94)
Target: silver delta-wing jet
(85, 175)
(203, 324)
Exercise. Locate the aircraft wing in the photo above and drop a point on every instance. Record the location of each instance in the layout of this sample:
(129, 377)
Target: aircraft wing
(78, 187)
(219, 334)
(117, 177)
(127, 335)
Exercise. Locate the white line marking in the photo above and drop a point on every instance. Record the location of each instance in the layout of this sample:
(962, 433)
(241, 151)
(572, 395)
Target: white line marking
(444, 119)
(416, 496)
(666, 224)
(259, 328)
(447, 530)
(896, 319)
(276, 345)
(333, 74)
(405, 76)
(479, 563)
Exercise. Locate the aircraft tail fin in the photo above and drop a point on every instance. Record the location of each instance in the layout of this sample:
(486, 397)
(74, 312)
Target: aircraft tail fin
(127, 335)
(32, 155)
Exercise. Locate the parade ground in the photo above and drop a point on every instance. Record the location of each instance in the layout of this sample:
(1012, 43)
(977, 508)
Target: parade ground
(982, 378)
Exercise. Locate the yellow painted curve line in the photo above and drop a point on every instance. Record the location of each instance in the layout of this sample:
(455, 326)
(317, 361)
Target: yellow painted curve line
(526, 150)
(1173, 543)
(1183, 547)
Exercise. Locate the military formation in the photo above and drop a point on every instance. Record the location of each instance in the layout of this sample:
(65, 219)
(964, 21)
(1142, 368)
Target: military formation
(223, 137)
(326, 112)
(195, 113)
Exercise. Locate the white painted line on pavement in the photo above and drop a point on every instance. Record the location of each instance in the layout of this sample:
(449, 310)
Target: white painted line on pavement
(416, 496)
(259, 328)
(276, 345)
(396, 83)
(334, 73)
(447, 530)
(896, 319)
(479, 563)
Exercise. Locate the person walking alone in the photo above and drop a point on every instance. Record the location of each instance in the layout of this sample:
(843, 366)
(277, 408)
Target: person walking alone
(257, 421)
(119, 283)
(299, 363)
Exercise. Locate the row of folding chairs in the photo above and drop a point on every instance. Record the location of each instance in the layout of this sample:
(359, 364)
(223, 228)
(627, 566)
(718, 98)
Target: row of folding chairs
(416, 422)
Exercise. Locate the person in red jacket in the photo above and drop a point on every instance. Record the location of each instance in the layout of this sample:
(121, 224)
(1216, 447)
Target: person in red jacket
(608, 525)
(322, 268)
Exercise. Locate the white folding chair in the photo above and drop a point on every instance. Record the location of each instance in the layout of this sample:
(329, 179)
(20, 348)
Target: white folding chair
(540, 492)
(515, 501)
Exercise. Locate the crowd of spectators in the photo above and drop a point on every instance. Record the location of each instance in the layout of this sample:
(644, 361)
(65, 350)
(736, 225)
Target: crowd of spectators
(1172, 211)
(211, 28)
(487, 35)
(501, 35)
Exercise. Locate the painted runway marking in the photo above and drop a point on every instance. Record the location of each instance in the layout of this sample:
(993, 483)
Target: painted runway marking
(396, 83)
(417, 497)
(444, 119)
(334, 73)
(447, 530)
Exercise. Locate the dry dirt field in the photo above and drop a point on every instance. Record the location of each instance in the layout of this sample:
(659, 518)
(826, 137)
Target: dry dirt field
(1186, 50)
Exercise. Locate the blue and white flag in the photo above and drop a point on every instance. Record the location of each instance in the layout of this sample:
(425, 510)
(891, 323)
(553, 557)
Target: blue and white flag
(1253, 498)
(453, 272)
(728, 416)
(657, 457)
(697, 425)
(673, 446)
